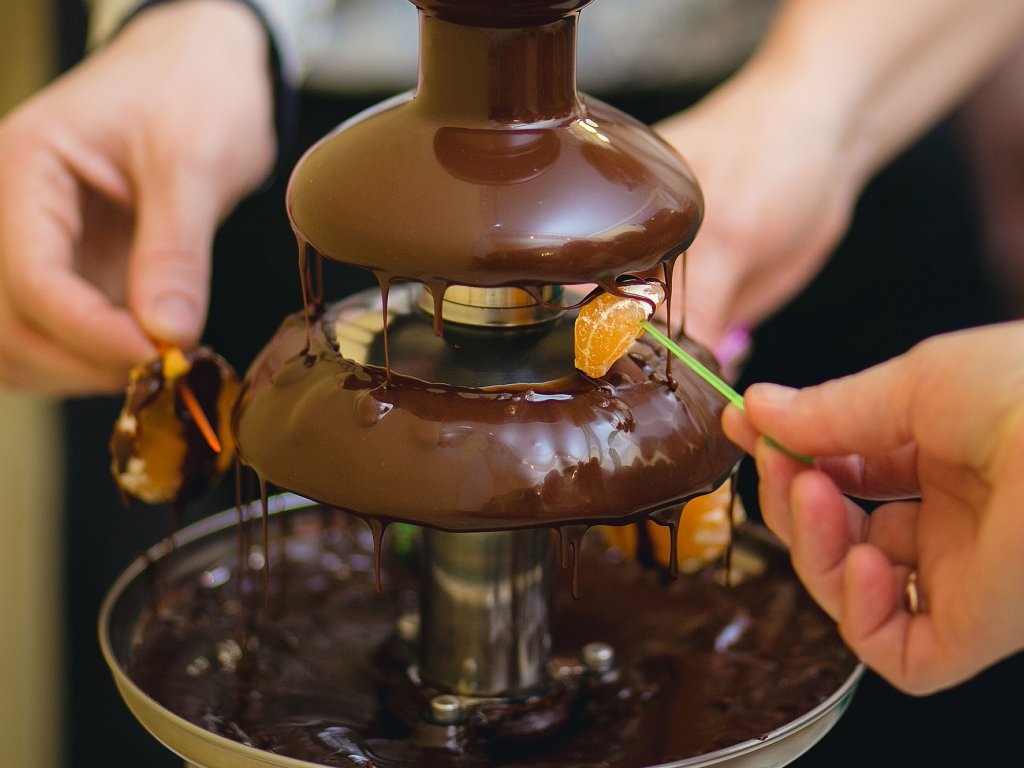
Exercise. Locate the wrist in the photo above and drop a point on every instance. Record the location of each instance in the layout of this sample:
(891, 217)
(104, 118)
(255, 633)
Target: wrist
(818, 92)
(877, 74)
(804, 118)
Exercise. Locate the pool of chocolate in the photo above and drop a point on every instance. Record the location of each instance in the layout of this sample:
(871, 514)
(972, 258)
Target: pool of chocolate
(313, 669)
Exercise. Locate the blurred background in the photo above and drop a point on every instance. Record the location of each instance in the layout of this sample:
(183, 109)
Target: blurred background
(912, 265)
(31, 669)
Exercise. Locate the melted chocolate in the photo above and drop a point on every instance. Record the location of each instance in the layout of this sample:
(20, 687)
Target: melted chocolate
(157, 433)
(495, 171)
(548, 452)
(322, 679)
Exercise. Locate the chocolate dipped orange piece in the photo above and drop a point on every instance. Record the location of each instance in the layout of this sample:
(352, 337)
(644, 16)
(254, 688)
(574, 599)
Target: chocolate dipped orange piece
(172, 441)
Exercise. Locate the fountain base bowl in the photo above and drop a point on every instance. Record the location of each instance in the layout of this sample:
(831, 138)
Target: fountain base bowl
(757, 652)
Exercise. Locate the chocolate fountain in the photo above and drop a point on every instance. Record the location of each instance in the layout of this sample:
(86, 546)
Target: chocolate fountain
(444, 411)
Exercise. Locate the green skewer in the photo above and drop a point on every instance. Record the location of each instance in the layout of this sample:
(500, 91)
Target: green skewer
(715, 381)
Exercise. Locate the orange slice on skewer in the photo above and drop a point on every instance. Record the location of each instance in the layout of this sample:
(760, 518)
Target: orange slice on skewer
(171, 441)
(608, 324)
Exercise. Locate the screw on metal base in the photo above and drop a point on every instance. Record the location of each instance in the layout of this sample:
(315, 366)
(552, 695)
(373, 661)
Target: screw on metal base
(408, 627)
(599, 658)
(447, 710)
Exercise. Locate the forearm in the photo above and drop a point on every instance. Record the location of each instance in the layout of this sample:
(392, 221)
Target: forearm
(881, 72)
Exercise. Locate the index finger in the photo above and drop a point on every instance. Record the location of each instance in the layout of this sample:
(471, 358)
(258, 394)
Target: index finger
(861, 414)
(951, 395)
(40, 221)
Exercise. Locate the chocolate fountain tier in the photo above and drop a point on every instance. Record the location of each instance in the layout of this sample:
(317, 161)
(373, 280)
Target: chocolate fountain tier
(679, 674)
(531, 443)
(496, 172)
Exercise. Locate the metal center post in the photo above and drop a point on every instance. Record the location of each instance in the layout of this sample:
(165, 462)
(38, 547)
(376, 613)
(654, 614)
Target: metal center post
(485, 597)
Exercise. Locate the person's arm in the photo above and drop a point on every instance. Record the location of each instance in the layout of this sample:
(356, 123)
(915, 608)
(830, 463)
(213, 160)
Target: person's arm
(883, 72)
(113, 180)
(783, 148)
(940, 432)
(992, 125)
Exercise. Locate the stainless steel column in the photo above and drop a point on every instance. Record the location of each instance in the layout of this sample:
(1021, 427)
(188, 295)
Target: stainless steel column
(485, 601)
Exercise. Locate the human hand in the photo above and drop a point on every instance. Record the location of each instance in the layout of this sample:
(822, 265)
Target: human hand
(782, 149)
(940, 430)
(112, 182)
(778, 190)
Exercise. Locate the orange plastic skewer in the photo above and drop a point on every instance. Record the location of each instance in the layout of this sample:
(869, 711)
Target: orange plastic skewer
(197, 413)
(189, 398)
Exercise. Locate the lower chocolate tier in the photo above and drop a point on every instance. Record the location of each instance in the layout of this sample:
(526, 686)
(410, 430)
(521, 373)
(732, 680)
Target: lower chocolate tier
(544, 445)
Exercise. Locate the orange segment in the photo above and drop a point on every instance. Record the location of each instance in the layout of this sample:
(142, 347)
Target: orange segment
(151, 445)
(608, 324)
(702, 537)
(704, 531)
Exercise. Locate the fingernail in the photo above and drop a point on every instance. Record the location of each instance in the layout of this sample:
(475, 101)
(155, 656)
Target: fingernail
(733, 350)
(173, 317)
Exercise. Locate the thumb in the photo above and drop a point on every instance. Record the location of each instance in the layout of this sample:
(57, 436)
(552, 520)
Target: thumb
(169, 269)
(865, 413)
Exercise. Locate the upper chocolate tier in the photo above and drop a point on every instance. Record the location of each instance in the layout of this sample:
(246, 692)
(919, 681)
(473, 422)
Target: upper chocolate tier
(495, 171)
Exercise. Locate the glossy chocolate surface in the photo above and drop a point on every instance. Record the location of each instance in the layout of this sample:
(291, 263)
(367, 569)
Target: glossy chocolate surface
(156, 441)
(487, 13)
(553, 450)
(495, 171)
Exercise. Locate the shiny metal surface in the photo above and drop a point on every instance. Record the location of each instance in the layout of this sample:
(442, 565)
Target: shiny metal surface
(492, 307)
(466, 355)
(484, 615)
(212, 541)
(484, 628)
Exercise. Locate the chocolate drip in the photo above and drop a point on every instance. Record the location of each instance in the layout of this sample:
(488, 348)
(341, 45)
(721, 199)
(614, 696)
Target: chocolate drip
(669, 268)
(304, 284)
(437, 290)
(561, 451)
(265, 534)
(670, 519)
(243, 577)
(727, 556)
(385, 294)
(377, 530)
(570, 539)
